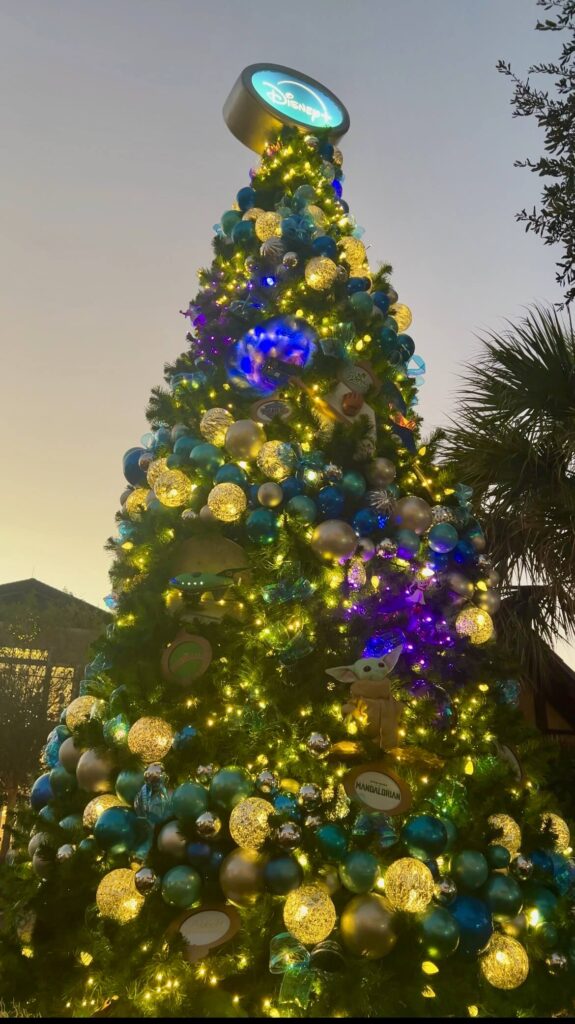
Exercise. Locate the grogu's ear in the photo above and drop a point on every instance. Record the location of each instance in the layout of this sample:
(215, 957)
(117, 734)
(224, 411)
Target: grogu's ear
(343, 674)
(392, 658)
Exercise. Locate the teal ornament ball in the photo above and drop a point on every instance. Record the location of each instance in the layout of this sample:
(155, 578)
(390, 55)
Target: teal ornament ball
(262, 526)
(189, 801)
(231, 474)
(353, 485)
(115, 830)
(282, 875)
(229, 786)
(41, 792)
(62, 782)
(424, 836)
(302, 508)
(504, 896)
(538, 897)
(498, 857)
(470, 869)
(440, 933)
(442, 538)
(129, 784)
(451, 830)
(362, 303)
(358, 871)
(331, 841)
(181, 887)
(206, 456)
(229, 219)
(407, 543)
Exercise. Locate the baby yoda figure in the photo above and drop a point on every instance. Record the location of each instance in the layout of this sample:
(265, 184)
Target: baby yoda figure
(372, 701)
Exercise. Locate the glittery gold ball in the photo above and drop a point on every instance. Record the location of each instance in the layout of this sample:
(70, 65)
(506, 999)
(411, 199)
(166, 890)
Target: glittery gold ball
(474, 623)
(214, 425)
(78, 711)
(227, 502)
(173, 488)
(155, 470)
(402, 316)
(320, 273)
(353, 252)
(253, 214)
(505, 963)
(117, 896)
(97, 806)
(150, 739)
(409, 885)
(318, 216)
(507, 832)
(276, 459)
(136, 503)
(267, 225)
(556, 831)
(309, 913)
(249, 823)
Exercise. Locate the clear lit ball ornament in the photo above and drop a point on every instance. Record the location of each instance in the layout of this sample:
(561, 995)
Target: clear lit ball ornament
(267, 225)
(150, 739)
(505, 963)
(276, 459)
(155, 470)
(556, 831)
(78, 711)
(97, 806)
(320, 273)
(507, 832)
(249, 823)
(136, 503)
(402, 316)
(353, 252)
(409, 885)
(117, 896)
(334, 539)
(173, 488)
(214, 425)
(227, 502)
(475, 624)
(270, 495)
(244, 439)
(309, 914)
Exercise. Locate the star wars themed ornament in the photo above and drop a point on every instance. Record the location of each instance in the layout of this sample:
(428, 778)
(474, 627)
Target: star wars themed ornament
(205, 929)
(269, 409)
(186, 659)
(372, 703)
(376, 786)
(212, 557)
(359, 377)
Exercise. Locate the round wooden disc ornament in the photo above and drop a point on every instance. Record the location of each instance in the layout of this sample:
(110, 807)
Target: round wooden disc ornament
(186, 659)
(268, 96)
(205, 929)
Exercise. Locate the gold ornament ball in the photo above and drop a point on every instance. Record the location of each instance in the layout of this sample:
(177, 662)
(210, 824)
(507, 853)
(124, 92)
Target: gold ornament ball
(507, 832)
(173, 488)
(171, 841)
(413, 513)
(474, 623)
(409, 885)
(227, 502)
(270, 495)
(253, 214)
(97, 806)
(117, 896)
(276, 459)
(69, 755)
(402, 316)
(242, 876)
(309, 913)
(214, 425)
(320, 273)
(249, 823)
(555, 829)
(156, 469)
(380, 472)
(505, 963)
(334, 539)
(95, 771)
(244, 439)
(366, 926)
(267, 225)
(150, 739)
(78, 711)
(353, 251)
(318, 216)
(136, 503)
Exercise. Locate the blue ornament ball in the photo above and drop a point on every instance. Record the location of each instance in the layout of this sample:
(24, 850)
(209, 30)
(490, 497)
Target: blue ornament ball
(185, 738)
(330, 502)
(425, 835)
(41, 792)
(332, 841)
(207, 456)
(198, 854)
(470, 869)
(243, 232)
(291, 486)
(189, 801)
(324, 245)
(406, 346)
(286, 807)
(475, 924)
(262, 526)
(132, 471)
(129, 784)
(542, 863)
(115, 830)
(48, 815)
(181, 887)
(357, 284)
(282, 875)
(442, 538)
(231, 474)
(246, 198)
(365, 522)
(353, 485)
(185, 445)
(302, 508)
(229, 786)
(358, 871)
(381, 300)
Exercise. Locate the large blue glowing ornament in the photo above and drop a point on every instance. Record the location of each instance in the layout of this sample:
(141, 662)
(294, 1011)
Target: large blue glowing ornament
(270, 354)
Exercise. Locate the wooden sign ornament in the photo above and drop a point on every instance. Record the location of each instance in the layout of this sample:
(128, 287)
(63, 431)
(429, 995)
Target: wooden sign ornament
(205, 928)
(377, 787)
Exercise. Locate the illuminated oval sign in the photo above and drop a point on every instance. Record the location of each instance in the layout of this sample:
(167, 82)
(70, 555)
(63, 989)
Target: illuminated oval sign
(268, 96)
(378, 788)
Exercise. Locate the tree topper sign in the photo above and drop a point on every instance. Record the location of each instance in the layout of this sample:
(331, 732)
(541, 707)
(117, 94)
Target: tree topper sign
(268, 96)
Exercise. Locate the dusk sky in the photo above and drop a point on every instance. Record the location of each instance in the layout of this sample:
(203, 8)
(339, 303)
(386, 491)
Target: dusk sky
(116, 163)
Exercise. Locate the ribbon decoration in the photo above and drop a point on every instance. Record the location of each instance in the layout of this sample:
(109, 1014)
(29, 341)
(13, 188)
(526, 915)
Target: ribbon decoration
(284, 591)
(300, 967)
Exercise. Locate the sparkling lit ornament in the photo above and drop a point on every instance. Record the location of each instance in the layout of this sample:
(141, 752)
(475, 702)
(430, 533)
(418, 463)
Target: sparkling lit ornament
(556, 831)
(117, 896)
(249, 823)
(96, 807)
(150, 739)
(78, 711)
(155, 470)
(334, 539)
(271, 354)
(267, 225)
(507, 832)
(353, 252)
(214, 425)
(475, 624)
(408, 885)
(227, 502)
(136, 503)
(173, 488)
(402, 316)
(276, 459)
(318, 744)
(244, 439)
(320, 273)
(309, 914)
(505, 963)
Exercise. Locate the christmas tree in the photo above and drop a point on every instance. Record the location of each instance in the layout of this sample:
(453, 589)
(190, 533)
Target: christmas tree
(295, 782)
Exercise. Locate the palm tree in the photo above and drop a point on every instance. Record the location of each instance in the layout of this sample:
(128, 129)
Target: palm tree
(513, 441)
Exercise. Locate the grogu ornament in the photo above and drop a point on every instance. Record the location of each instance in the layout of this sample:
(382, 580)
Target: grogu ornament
(372, 701)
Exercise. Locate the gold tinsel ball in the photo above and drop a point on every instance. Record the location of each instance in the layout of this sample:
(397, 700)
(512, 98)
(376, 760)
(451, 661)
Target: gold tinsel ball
(173, 488)
(270, 495)
(474, 623)
(214, 425)
(244, 439)
(136, 503)
(78, 711)
(117, 896)
(276, 459)
(150, 739)
(227, 502)
(505, 963)
(556, 830)
(249, 823)
(320, 273)
(253, 214)
(309, 913)
(267, 225)
(155, 470)
(507, 832)
(409, 885)
(318, 216)
(353, 252)
(97, 806)
(402, 316)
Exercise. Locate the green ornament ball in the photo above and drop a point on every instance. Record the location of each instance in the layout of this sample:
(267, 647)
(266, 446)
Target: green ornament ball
(353, 485)
(331, 841)
(440, 933)
(302, 508)
(189, 801)
(498, 857)
(470, 869)
(62, 782)
(358, 871)
(129, 784)
(229, 786)
(262, 526)
(504, 896)
(282, 875)
(181, 887)
(362, 303)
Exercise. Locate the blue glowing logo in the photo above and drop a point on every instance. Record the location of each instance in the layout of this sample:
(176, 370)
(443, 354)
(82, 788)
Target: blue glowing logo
(298, 100)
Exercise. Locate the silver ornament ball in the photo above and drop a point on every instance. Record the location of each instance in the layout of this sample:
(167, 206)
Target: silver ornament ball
(65, 852)
(288, 835)
(266, 782)
(309, 794)
(146, 881)
(380, 472)
(206, 772)
(317, 743)
(208, 825)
